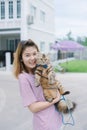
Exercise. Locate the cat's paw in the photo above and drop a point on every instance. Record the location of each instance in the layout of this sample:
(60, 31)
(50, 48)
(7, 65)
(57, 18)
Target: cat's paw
(37, 84)
(49, 99)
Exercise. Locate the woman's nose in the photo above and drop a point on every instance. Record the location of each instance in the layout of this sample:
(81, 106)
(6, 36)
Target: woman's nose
(32, 57)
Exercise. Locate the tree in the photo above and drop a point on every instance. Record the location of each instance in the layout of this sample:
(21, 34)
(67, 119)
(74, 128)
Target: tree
(82, 40)
(85, 41)
(69, 36)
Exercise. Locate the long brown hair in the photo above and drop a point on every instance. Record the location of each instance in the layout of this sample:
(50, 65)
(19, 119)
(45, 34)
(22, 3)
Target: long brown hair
(18, 65)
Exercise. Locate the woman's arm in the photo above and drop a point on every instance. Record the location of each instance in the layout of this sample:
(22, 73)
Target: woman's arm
(38, 106)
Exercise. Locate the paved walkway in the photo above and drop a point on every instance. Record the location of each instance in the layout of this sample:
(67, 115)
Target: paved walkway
(13, 116)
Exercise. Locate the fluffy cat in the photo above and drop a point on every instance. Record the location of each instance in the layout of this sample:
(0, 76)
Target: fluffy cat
(45, 76)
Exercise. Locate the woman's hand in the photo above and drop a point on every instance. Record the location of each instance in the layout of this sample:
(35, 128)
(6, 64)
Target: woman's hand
(57, 98)
(38, 106)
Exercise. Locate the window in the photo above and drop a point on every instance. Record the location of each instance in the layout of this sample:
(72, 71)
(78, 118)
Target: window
(42, 16)
(10, 9)
(18, 8)
(16, 44)
(12, 44)
(42, 46)
(50, 45)
(33, 10)
(2, 10)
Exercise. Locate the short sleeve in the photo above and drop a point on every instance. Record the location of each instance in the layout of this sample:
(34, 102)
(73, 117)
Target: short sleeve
(26, 91)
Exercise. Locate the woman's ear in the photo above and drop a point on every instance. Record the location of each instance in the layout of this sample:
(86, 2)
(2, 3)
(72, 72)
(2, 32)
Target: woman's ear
(21, 60)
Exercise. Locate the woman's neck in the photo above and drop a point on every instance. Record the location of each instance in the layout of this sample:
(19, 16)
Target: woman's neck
(32, 71)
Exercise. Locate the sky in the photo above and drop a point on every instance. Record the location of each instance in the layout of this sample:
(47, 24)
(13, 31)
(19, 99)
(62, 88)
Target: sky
(71, 16)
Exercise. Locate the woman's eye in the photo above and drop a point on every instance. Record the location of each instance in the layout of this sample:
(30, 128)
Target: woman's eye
(34, 54)
(27, 55)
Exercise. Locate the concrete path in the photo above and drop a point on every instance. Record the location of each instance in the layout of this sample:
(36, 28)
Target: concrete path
(13, 116)
(77, 84)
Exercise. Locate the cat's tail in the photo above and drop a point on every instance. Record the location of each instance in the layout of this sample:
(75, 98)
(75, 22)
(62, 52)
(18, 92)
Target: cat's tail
(65, 106)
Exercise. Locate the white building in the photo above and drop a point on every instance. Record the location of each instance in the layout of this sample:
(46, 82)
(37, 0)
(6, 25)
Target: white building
(24, 19)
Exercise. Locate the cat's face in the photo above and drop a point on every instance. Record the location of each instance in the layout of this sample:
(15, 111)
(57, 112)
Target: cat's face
(42, 59)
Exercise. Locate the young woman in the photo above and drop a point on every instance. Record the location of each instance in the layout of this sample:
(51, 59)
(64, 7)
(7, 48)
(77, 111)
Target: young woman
(45, 116)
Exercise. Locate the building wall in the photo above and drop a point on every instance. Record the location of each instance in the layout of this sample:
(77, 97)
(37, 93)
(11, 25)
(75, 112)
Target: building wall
(81, 54)
(9, 23)
(41, 30)
(38, 31)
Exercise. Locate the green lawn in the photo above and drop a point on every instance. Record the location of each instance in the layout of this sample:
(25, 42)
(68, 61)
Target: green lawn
(75, 66)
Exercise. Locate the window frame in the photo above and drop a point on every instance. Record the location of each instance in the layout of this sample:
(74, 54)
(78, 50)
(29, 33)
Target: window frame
(2, 4)
(18, 8)
(33, 10)
(42, 16)
(42, 46)
(10, 9)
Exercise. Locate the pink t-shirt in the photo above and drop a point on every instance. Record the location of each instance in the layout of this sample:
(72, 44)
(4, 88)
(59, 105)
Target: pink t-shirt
(47, 119)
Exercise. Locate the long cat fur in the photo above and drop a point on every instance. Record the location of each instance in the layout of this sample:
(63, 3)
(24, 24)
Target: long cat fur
(45, 76)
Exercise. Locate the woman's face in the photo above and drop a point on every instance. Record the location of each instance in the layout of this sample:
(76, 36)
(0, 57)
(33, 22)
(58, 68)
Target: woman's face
(29, 57)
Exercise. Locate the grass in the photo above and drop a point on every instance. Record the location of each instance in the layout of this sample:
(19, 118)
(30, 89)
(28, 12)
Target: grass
(75, 66)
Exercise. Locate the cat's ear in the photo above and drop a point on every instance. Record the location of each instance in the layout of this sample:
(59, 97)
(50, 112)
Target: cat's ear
(48, 55)
(38, 54)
